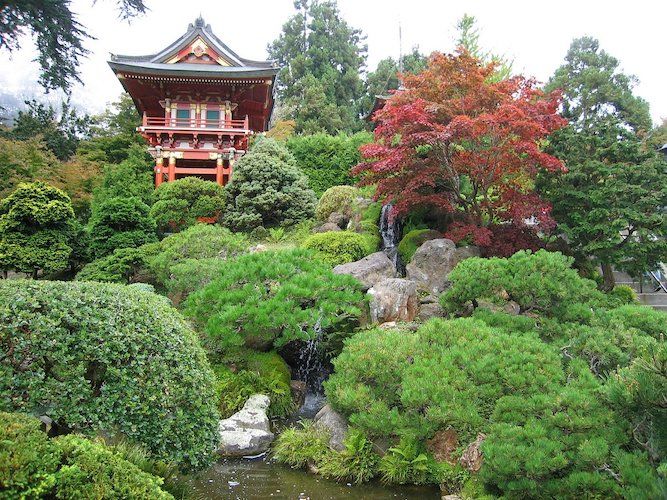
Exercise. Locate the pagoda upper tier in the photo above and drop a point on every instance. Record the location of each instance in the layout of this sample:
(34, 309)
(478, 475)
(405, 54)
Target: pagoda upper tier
(196, 68)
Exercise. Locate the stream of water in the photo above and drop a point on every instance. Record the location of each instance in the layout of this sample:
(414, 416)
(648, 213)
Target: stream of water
(390, 231)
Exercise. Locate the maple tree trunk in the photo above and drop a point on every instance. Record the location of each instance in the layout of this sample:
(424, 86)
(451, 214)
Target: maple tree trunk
(608, 276)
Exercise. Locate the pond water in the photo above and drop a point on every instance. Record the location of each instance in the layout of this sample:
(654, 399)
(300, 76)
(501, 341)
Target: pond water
(263, 478)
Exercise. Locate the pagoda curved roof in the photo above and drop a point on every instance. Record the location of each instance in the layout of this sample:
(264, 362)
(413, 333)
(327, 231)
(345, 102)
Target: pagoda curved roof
(157, 63)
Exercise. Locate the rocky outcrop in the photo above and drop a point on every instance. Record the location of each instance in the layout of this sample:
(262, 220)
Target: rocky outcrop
(326, 227)
(429, 307)
(248, 431)
(335, 424)
(433, 261)
(443, 445)
(339, 219)
(369, 270)
(393, 299)
(472, 456)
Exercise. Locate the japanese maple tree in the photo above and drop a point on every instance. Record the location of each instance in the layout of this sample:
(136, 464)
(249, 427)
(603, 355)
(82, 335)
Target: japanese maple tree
(455, 140)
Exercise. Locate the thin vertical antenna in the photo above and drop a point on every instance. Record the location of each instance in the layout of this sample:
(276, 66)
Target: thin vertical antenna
(400, 48)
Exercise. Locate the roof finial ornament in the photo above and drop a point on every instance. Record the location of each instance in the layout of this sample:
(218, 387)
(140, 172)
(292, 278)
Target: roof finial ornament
(199, 22)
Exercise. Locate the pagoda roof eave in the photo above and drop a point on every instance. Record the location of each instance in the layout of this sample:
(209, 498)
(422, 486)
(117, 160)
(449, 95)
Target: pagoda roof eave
(192, 70)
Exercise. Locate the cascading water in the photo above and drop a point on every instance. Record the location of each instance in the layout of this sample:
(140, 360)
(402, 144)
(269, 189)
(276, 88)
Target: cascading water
(390, 230)
(313, 372)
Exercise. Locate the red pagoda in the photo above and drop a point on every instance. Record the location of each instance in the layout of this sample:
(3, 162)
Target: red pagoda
(200, 101)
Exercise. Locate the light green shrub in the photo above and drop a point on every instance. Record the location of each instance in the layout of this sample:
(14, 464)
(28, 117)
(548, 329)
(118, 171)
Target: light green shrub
(339, 199)
(299, 447)
(339, 247)
(357, 462)
(99, 357)
(180, 203)
(34, 466)
(268, 299)
(124, 265)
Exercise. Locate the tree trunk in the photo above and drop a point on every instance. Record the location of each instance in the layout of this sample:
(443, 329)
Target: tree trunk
(608, 276)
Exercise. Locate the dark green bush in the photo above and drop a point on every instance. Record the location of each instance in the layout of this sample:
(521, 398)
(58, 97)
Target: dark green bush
(37, 226)
(132, 177)
(339, 247)
(98, 357)
(123, 266)
(268, 299)
(120, 223)
(34, 466)
(180, 203)
(327, 159)
(413, 240)
(267, 190)
(339, 199)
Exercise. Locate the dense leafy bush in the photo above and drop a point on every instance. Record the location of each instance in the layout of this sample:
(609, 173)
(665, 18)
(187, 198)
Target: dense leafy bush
(413, 240)
(34, 466)
(124, 265)
(327, 159)
(120, 223)
(339, 199)
(36, 229)
(107, 358)
(543, 282)
(339, 247)
(299, 447)
(267, 190)
(132, 178)
(270, 298)
(180, 203)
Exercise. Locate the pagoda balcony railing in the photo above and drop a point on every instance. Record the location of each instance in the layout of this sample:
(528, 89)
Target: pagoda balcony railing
(161, 123)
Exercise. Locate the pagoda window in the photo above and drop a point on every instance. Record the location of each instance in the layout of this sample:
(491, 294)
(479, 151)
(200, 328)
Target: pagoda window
(212, 118)
(182, 117)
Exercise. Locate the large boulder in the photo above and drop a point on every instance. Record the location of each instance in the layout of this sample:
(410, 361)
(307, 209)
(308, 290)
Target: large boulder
(248, 431)
(433, 261)
(335, 424)
(326, 228)
(393, 299)
(369, 270)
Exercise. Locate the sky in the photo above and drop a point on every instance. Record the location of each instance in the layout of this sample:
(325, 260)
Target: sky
(534, 34)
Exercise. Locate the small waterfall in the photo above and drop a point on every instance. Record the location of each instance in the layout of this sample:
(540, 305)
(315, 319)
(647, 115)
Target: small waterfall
(311, 369)
(390, 230)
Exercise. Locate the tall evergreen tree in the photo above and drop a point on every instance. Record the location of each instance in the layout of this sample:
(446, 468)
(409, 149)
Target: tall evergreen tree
(610, 203)
(317, 46)
(468, 38)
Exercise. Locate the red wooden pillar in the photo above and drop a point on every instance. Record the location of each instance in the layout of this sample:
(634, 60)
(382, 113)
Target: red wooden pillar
(171, 173)
(159, 163)
(218, 170)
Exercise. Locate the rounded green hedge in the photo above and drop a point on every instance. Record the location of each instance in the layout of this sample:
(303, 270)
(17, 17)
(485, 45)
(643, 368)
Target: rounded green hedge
(340, 247)
(339, 199)
(34, 466)
(99, 357)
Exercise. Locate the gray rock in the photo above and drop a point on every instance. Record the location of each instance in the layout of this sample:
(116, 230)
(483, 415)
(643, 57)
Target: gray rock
(429, 311)
(248, 431)
(326, 228)
(339, 219)
(298, 389)
(369, 270)
(433, 261)
(335, 424)
(393, 299)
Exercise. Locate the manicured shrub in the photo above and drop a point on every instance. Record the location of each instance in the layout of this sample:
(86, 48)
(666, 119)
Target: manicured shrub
(123, 266)
(268, 299)
(327, 159)
(99, 357)
(36, 229)
(179, 204)
(339, 199)
(624, 294)
(413, 240)
(34, 466)
(339, 247)
(120, 223)
(542, 282)
(132, 178)
(201, 241)
(454, 373)
(267, 190)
